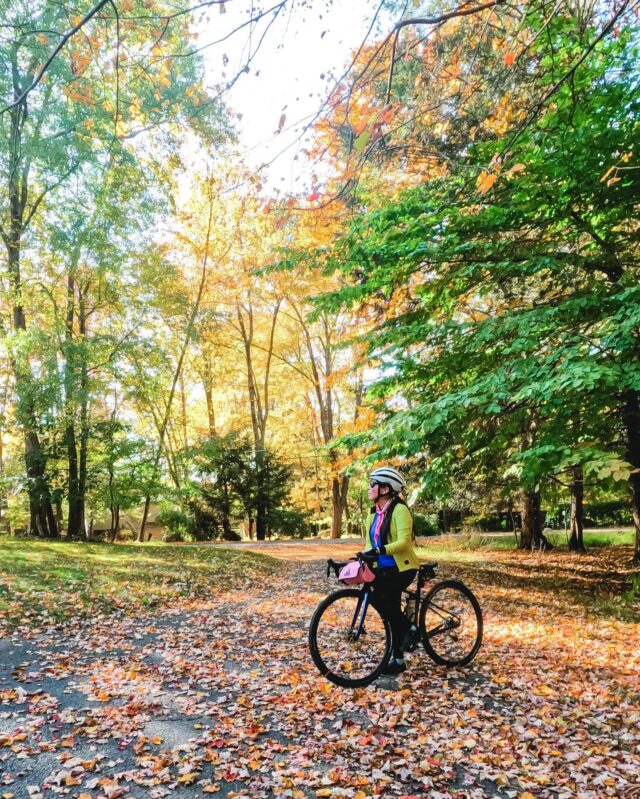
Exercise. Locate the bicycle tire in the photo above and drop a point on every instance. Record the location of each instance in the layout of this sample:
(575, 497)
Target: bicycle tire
(334, 634)
(435, 639)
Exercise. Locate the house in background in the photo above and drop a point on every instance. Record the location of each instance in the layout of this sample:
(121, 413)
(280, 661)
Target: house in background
(99, 527)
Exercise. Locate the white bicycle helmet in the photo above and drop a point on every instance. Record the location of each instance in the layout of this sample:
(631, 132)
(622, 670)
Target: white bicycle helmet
(389, 476)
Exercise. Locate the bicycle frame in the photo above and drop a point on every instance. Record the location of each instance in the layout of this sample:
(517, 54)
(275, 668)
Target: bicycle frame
(426, 572)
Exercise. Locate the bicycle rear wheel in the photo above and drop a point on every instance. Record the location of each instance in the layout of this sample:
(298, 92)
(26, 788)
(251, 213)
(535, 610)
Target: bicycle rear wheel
(350, 642)
(451, 624)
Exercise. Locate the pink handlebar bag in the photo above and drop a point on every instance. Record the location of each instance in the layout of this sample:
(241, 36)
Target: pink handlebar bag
(356, 572)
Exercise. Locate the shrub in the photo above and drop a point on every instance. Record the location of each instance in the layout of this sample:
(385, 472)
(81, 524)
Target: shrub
(425, 524)
(176, 520)
(290, 523)
(126, 534)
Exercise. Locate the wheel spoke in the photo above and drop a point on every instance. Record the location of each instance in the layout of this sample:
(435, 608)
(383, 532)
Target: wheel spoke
(451, 624)
(349, 639)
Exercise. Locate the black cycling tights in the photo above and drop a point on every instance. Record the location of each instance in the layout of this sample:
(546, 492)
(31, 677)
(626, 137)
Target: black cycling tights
(387, 591)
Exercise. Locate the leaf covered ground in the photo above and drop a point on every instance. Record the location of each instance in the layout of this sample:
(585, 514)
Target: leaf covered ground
(216, 695)
(45, 582)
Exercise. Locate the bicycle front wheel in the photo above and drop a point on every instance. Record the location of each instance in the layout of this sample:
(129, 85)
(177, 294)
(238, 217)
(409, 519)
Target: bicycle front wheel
(350, 642)
(451, 624)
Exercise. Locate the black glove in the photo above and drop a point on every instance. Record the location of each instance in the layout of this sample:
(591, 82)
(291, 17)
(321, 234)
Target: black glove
(371, 555)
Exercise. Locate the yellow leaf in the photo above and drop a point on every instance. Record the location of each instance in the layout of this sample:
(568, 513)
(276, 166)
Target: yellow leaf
(517, 168)
(157, 740)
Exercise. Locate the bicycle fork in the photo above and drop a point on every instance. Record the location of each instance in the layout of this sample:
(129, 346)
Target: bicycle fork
(357, 623)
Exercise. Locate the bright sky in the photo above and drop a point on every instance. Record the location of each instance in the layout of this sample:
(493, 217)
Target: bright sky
(303, 53)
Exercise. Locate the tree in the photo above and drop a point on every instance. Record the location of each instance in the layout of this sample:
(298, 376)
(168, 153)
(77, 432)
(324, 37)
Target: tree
(515, 332)
(74, 124)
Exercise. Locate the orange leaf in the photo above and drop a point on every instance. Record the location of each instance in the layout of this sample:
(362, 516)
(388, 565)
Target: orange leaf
(485, 181)
(386, 115)
(607, 173)
(509, 59)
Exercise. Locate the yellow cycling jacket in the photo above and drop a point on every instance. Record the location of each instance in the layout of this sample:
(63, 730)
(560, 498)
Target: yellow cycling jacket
(400, 539)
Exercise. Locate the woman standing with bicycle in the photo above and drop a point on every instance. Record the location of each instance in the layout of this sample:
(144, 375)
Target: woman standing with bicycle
(389, 548)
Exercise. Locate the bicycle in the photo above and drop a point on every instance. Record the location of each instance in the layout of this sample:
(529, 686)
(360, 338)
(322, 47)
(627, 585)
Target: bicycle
(349, 653)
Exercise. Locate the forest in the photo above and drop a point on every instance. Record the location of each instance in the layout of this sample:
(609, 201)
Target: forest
(453, 287)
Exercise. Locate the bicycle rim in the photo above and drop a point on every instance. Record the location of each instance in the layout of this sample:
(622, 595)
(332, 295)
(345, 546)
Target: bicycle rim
(349, 647)
(451, 624)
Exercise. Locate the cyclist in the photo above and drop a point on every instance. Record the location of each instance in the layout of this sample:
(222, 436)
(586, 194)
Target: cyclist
(389, 547)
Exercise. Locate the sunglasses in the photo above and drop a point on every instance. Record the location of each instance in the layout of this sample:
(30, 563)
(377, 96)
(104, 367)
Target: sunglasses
(373, 483)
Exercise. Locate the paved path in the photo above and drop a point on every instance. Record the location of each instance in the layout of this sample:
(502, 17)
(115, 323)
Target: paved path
(223, 700)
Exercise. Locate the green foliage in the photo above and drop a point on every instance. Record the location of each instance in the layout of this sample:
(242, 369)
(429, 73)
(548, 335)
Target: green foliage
(510, 321)
(289, 523)
(425, 524)
(230, 483)
(179, 523)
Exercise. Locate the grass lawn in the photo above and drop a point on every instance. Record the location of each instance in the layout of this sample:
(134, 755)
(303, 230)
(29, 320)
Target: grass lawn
(44, 582)
(592, 538)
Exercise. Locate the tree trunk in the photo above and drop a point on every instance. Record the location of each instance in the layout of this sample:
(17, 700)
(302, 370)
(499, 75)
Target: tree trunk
(532, 536)
(42, 518)
(5, 524)
(258, 406)
(261, 499)
(183, 409)
(576, 541)
(528, 520)
(73, 488)
(143, 523)
(211, 414)
(336, 505)
(84, 412)
(178, 370)
(631, 416)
